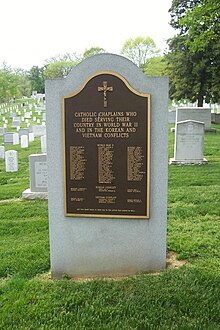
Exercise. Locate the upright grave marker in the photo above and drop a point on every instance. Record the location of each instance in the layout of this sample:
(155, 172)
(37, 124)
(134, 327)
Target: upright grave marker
(2, 152)
(24, 141)
(38, 177)
(189, 143)
(11, 161)
(107, 187)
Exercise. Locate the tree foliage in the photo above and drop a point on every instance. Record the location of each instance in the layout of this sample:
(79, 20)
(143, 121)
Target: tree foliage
(178, 11)
(36, 78)
(58, 69)
(155, 66)
(203, 25)
(138, 50)
(192, 68)
(93, 51)
(24, 85)
(9, 82)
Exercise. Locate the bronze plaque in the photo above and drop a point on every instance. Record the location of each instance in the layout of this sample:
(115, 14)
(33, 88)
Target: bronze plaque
(106, 132)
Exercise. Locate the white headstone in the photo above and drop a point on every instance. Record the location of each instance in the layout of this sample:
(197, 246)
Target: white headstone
(15, 138)
(11, 161)
(43, 144)
(2, 131)
(2, 152)
(189, 143)
(24, 141)
(31, 137)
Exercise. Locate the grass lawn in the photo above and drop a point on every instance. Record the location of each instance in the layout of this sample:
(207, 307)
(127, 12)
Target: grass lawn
(187, 297)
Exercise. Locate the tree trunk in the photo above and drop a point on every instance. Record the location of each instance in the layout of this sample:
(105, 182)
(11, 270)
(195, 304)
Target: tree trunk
(200, 100)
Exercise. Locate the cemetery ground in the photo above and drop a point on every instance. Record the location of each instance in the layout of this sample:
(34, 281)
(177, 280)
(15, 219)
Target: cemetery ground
(186, 297)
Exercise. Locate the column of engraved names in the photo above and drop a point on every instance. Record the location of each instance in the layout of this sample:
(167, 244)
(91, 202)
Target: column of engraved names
(105, 162)
(77, 162)
(134, 163)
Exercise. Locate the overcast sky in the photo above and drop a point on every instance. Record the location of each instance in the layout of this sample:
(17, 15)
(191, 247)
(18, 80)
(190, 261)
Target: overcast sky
(33, 31)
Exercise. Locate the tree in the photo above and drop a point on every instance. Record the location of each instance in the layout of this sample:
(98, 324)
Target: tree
(24, 85)
(178, 11)
(203, 24)
(36, 78)
(8, 83)
(93, 51)
(58, 69)
(138, 50)
(155, 66)
(192, 71)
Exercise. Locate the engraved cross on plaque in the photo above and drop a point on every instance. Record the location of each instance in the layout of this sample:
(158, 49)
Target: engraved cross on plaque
(105, 89)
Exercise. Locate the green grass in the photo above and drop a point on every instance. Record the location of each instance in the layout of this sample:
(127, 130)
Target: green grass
(178, 298)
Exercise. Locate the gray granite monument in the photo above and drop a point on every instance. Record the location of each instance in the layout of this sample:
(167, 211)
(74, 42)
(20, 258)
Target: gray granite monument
(98, 152)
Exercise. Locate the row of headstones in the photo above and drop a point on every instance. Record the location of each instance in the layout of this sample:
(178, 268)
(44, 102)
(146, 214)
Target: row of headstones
(37, 98)
(25, 109)
(37, 130)
(214, 107)
(8, 155)
(16, 121)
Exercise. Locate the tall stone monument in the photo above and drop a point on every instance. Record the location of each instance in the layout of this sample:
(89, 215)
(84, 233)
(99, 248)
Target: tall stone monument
(107, 169)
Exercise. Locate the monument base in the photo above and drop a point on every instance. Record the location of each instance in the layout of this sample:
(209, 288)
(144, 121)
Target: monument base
(203, 161)
(28, 194)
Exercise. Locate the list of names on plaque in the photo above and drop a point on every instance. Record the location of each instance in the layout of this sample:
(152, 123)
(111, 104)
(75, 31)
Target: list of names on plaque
(134, 163)
(105, 162)
(77, 162)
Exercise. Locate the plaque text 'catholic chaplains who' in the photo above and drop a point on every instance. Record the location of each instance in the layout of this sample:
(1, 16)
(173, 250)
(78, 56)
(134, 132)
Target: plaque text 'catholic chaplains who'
(106, 132)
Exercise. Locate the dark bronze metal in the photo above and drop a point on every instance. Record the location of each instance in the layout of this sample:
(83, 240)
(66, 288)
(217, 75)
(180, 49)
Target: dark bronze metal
(107, 149)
